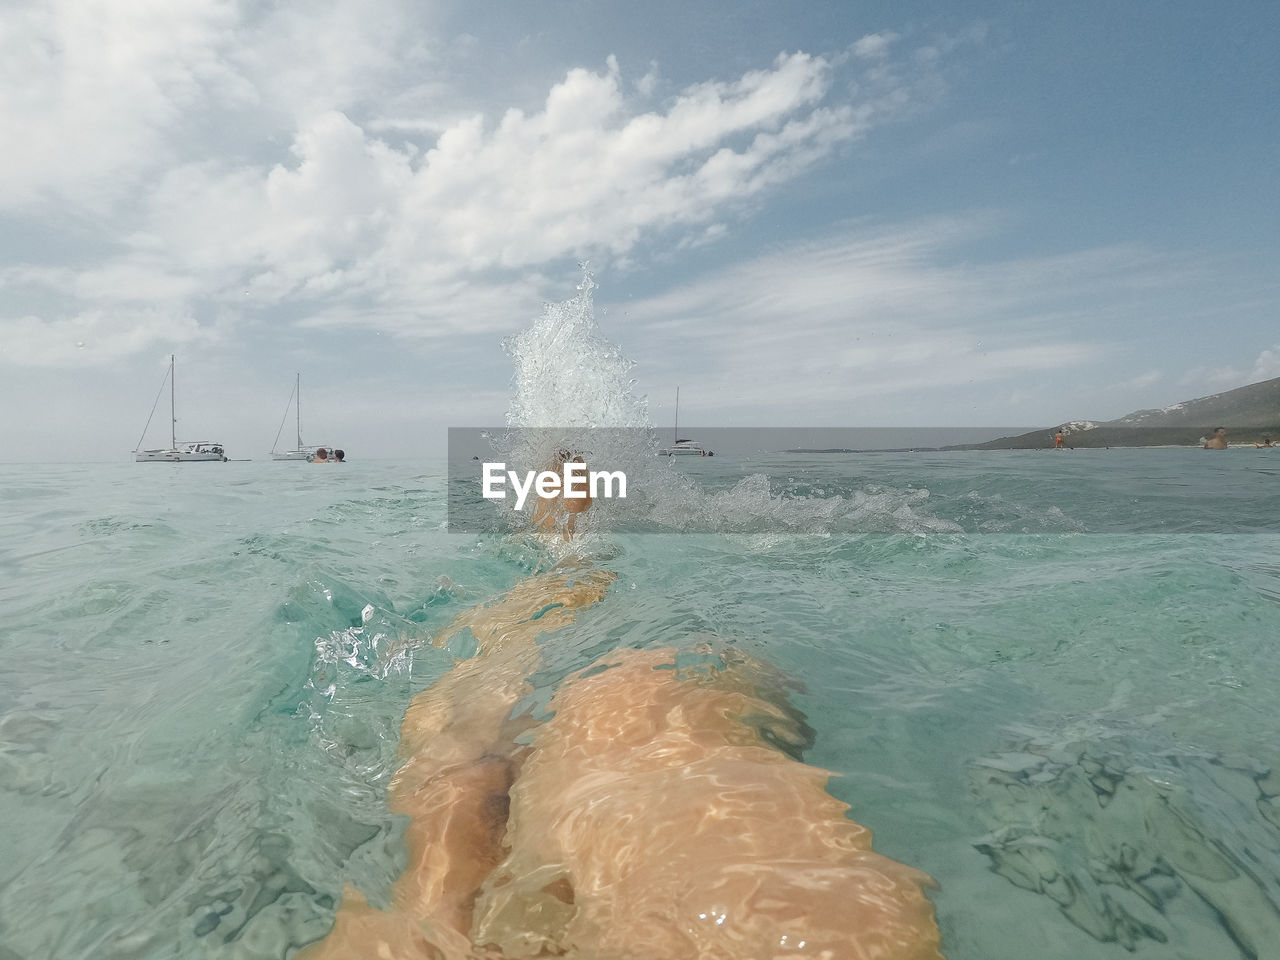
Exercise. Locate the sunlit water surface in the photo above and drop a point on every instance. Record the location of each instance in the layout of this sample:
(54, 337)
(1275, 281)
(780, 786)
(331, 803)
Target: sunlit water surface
(1065, 712)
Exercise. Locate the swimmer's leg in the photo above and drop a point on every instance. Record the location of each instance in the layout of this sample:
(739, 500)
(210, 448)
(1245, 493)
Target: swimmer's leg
(360, 930)
(458, 738)
(654, 818)
(532, 607)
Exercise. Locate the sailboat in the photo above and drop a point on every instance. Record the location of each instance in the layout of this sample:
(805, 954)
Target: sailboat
(682, 447)
(190, 450)
(299, 452)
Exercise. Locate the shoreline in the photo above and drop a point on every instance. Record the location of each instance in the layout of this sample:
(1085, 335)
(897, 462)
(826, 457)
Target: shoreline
(835, 451)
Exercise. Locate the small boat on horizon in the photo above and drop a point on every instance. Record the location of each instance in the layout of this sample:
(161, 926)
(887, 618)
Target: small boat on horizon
(303, 452)
(685, 448)
(682, 447)
(189, 451)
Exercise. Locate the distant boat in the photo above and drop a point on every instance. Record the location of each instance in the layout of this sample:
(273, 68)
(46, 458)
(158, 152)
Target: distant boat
(190, 451)
(685, 448)
(682, 447)
(301, 451)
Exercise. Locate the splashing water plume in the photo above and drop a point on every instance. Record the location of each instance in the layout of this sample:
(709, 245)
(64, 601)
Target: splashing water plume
(573, 390)
(567, 374)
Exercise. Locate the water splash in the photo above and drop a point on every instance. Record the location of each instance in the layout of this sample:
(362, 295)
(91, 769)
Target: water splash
(567, 374)
(376, 653)
(573, 390)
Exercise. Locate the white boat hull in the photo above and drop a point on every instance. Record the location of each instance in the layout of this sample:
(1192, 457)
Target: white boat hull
(306, 453)
(194, 453)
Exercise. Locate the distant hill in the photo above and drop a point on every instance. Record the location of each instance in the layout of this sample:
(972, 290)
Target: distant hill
(1246, 412)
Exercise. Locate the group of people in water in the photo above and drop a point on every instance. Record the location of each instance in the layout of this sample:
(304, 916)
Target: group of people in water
(1219, 440)
(322, 456)
(1216, 441)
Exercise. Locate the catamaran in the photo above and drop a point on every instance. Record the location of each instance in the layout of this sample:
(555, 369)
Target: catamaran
(300, 452)
(190, 450)
(682, 447)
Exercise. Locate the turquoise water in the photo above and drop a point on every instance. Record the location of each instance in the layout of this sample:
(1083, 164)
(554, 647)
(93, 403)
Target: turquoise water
(1049, 680)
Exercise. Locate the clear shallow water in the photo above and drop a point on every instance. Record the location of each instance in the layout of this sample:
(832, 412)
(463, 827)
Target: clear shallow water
(1064, 712)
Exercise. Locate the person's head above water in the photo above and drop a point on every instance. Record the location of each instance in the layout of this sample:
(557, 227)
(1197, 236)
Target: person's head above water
(322, 455)
(340, 456)
(1219, 439)
(558, 510)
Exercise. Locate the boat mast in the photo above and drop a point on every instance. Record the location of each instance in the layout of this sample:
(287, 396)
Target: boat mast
(173, 415)
(675, 440)
(297, 388)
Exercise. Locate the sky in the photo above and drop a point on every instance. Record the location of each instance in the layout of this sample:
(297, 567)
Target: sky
(907, 213)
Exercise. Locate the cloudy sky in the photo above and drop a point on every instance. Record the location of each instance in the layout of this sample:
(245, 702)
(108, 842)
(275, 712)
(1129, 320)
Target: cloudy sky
(840, 213)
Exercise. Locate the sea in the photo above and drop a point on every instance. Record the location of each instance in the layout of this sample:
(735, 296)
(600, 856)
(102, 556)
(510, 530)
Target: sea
(1046, 678)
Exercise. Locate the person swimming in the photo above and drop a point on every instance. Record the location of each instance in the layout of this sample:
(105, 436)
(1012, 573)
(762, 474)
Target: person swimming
(322, 456)
(560, 512)
(662, 812)
(1218, 441)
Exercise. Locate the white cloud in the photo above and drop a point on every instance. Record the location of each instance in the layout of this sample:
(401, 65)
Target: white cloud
(1141, 381)
(304, 59)
(88, 88)
(353, 214)
(229, 168)
(882, 313)
(94, 337)
(874, 46)
(648, 84)
(355, 230)
(1266, 366)
(1225, 377)
(96, 96)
